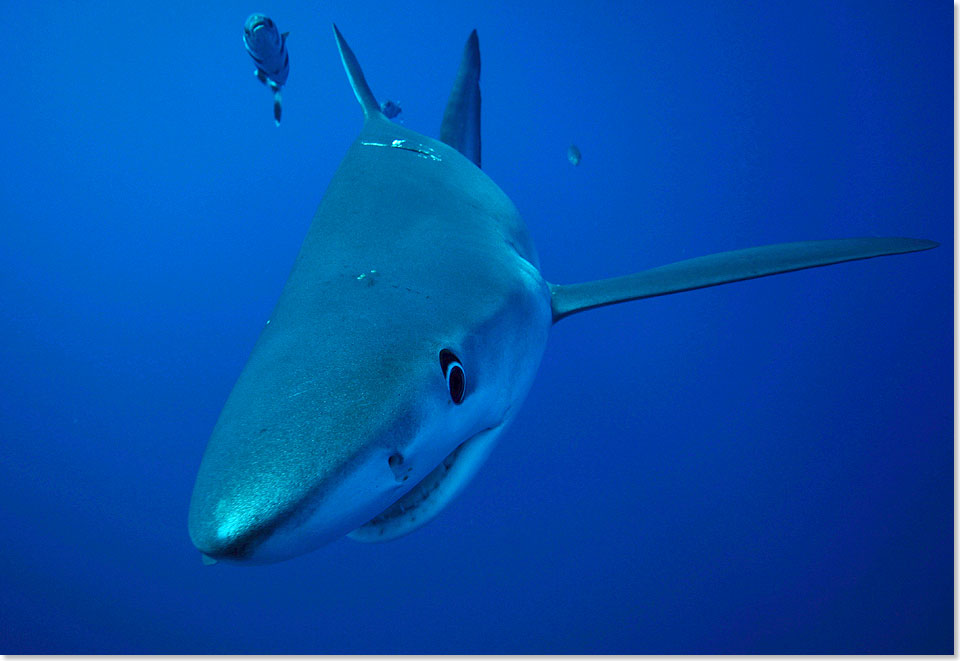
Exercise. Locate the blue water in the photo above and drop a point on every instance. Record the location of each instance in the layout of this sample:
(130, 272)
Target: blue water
(761, 467)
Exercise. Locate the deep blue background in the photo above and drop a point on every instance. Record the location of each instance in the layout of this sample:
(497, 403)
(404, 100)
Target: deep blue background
(761, 467)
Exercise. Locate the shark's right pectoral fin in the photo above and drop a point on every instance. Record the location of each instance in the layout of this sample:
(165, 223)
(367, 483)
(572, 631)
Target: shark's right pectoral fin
(357, 81)
(724, 267)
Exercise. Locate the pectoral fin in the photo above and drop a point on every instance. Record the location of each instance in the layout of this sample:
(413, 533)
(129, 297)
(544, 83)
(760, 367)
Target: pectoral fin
(359, 84)
(277, 101)
(724, 267)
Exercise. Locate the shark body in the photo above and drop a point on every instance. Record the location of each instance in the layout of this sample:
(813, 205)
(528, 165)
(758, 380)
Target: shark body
(409, 332)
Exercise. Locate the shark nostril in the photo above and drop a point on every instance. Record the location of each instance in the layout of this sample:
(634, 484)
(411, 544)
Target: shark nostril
(396, 465)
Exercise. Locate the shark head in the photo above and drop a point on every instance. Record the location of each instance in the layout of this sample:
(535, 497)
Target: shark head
(352, 420)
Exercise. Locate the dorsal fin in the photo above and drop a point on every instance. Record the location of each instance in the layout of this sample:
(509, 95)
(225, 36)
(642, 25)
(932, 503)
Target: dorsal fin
(461, 120)
(355, 74)
(724, 267)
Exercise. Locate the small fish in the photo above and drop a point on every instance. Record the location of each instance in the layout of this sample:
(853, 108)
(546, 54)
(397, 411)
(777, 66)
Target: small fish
(268, 48)
(573, 154)
(390, 108)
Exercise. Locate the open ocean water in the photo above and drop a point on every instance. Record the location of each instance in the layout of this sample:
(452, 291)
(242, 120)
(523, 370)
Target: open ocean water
(765, 466)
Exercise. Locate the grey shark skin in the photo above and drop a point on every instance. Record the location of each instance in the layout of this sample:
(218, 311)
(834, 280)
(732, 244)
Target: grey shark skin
(343, 420)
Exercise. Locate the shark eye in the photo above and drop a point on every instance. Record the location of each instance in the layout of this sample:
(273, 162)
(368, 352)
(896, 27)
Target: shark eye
(453, 371)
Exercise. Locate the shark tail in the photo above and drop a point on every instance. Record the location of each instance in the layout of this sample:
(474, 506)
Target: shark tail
(724, 267)
(355, 74)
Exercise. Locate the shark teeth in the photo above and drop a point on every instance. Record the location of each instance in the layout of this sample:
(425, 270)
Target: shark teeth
(428, 497)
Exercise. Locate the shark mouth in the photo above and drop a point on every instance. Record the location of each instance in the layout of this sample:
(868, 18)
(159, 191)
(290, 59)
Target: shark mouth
(425, 500)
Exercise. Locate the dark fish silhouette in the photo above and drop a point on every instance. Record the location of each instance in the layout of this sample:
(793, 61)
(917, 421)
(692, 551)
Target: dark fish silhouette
(573, 155)
(390, 108)
(268, 48)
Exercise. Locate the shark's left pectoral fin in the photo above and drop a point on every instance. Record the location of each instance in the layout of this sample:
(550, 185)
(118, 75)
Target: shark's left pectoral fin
(724, 267)
(461, 119)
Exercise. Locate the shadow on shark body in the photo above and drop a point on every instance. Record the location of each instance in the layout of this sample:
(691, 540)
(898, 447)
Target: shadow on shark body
(409, 332)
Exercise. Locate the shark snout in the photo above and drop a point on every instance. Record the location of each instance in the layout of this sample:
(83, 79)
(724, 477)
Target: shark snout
(219, 546)
(245, 510)
(307, 448)
(232, 532)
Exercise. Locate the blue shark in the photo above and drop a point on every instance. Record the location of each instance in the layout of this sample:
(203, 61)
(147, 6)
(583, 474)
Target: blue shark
(405, 339)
